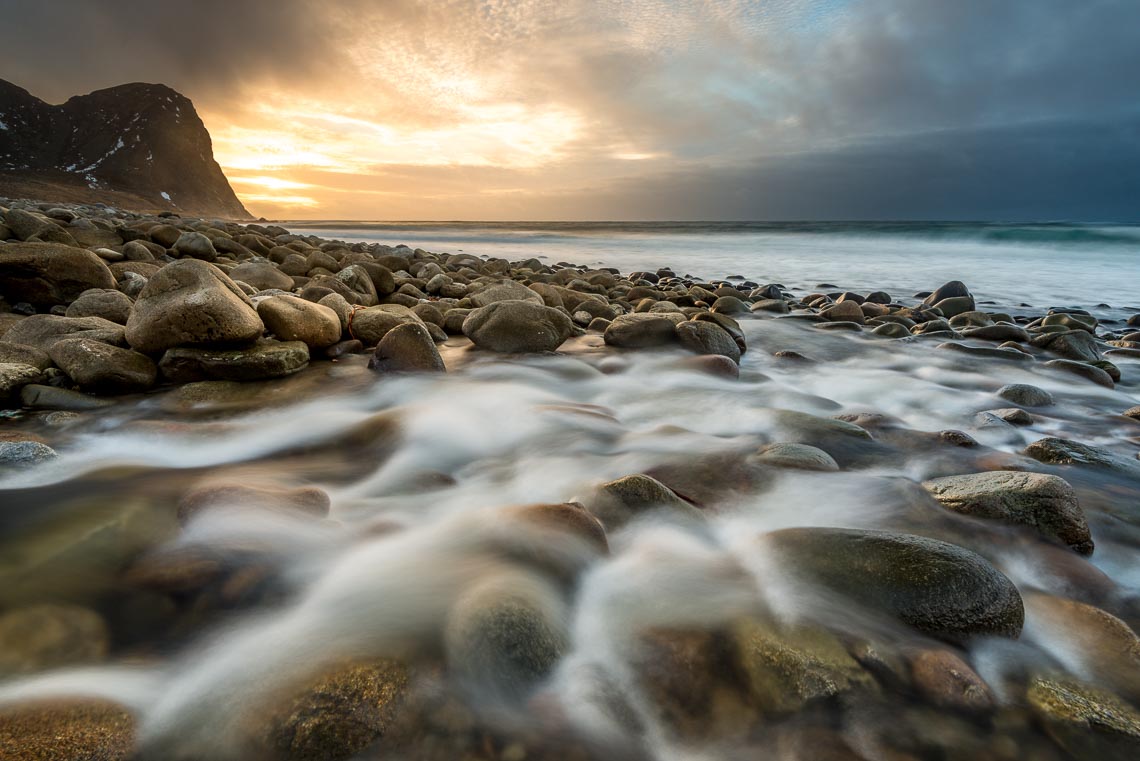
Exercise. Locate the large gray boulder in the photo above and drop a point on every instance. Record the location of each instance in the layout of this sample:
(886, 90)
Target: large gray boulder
(508, 290)
(293, 319)
(1044, 502)
(102, 368)
(265, 359)
(263, 276)
(46, 274)
(641, 330)
(190, 302)
(517, 326)
(407, 348)
(940, 589)
(43, 330)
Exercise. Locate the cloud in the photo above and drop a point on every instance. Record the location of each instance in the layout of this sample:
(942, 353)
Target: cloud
(429, 97)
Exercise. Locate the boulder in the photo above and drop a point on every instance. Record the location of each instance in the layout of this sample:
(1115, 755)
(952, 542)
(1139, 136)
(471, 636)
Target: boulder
(639, 331)
(1057, 451)
(41, 331)
(22, 354)
(617, 502)
(505, 635)
(796, 456)
(703, 337)
(190, 302)
(844, 311)
(1090, 723)
(507, 290)
(264, 359)
(40, 397)
(102, 368)
(222, 495)
(14, 376)
(407, 348)
(518, 326)
(787, 668)
(1077, 345)
(1043, 502)
(49, 636)
(47, 274)
(293, 319)
(108, 304)
(21, 454)
(195, 245)
(946, 681)
(263, 276)
(1025, 395)
(940, 589)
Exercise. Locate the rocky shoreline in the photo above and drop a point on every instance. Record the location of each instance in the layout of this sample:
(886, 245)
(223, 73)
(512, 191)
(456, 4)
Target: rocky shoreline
(989, 615)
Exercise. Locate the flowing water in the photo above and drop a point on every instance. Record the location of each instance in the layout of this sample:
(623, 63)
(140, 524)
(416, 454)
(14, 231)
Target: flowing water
(423, 472)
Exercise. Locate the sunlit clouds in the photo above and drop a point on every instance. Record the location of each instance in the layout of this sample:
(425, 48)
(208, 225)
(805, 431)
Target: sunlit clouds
(623, 109)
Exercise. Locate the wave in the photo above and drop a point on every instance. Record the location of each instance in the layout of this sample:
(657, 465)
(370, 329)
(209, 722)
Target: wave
(1041, 233)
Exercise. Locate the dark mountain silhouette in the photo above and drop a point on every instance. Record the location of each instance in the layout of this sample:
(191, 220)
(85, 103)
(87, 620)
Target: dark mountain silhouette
(139, 146)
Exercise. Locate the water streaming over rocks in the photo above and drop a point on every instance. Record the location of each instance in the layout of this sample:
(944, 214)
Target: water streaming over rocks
(599, 553)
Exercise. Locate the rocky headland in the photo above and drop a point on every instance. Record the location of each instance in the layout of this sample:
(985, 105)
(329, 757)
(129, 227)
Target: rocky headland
(433, 505)
(135, 146)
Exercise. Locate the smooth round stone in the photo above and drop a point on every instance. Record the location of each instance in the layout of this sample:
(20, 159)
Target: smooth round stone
(407, 348)
(796, 456)
(1026, 395)
(940, 589)
(1082, 370)
(23, 453)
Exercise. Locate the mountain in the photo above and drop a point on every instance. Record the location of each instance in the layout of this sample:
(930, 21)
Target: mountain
(139, 146)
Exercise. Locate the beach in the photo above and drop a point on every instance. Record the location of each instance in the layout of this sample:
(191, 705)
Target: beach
(293, 491)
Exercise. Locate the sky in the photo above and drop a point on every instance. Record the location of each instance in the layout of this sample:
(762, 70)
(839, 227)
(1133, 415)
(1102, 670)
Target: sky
(601, 109)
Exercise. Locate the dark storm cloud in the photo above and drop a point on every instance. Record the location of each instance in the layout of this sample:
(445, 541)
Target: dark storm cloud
(59, 48)
(1053, 171)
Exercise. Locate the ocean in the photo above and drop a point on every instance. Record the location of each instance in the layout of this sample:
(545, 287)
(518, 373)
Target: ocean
(1042, 265)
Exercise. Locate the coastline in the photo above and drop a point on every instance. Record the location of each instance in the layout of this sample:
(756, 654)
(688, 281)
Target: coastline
(568, 435)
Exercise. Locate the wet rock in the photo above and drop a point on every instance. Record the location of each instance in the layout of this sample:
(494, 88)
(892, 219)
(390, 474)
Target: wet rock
(22, 354)
(639, 331)
(22, 454)
(952, 289)
(371, 325)
(987, 352)
(617, 502)
(195, 245)
(505, 635)
(264, 359)
(566, 518)
(191, 302)
(703, 337)
(945, 680)
(46, 274)
(36, 396)
(892, 330)
(1077, 345)
(110, 305)
(796, 456)
(41, 331)
(1091, 724)
(844, 311)
(998, 332)
(1106, 648)
(1026, 395)
(1012, 415)
(41, 637)
(338, 716)
(1086, 371)
(221, 495)
(293, 319)
(955, 305)
(727, 324)
(785, 669)
(71, 730)
(263, 276)
(407, 348)
(730, 305)
(14, 376)
(507, 290)
(101, 368)
(1056, 451)
(712, 364)
(1044, 502)
(512, 326)
(940, 589)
